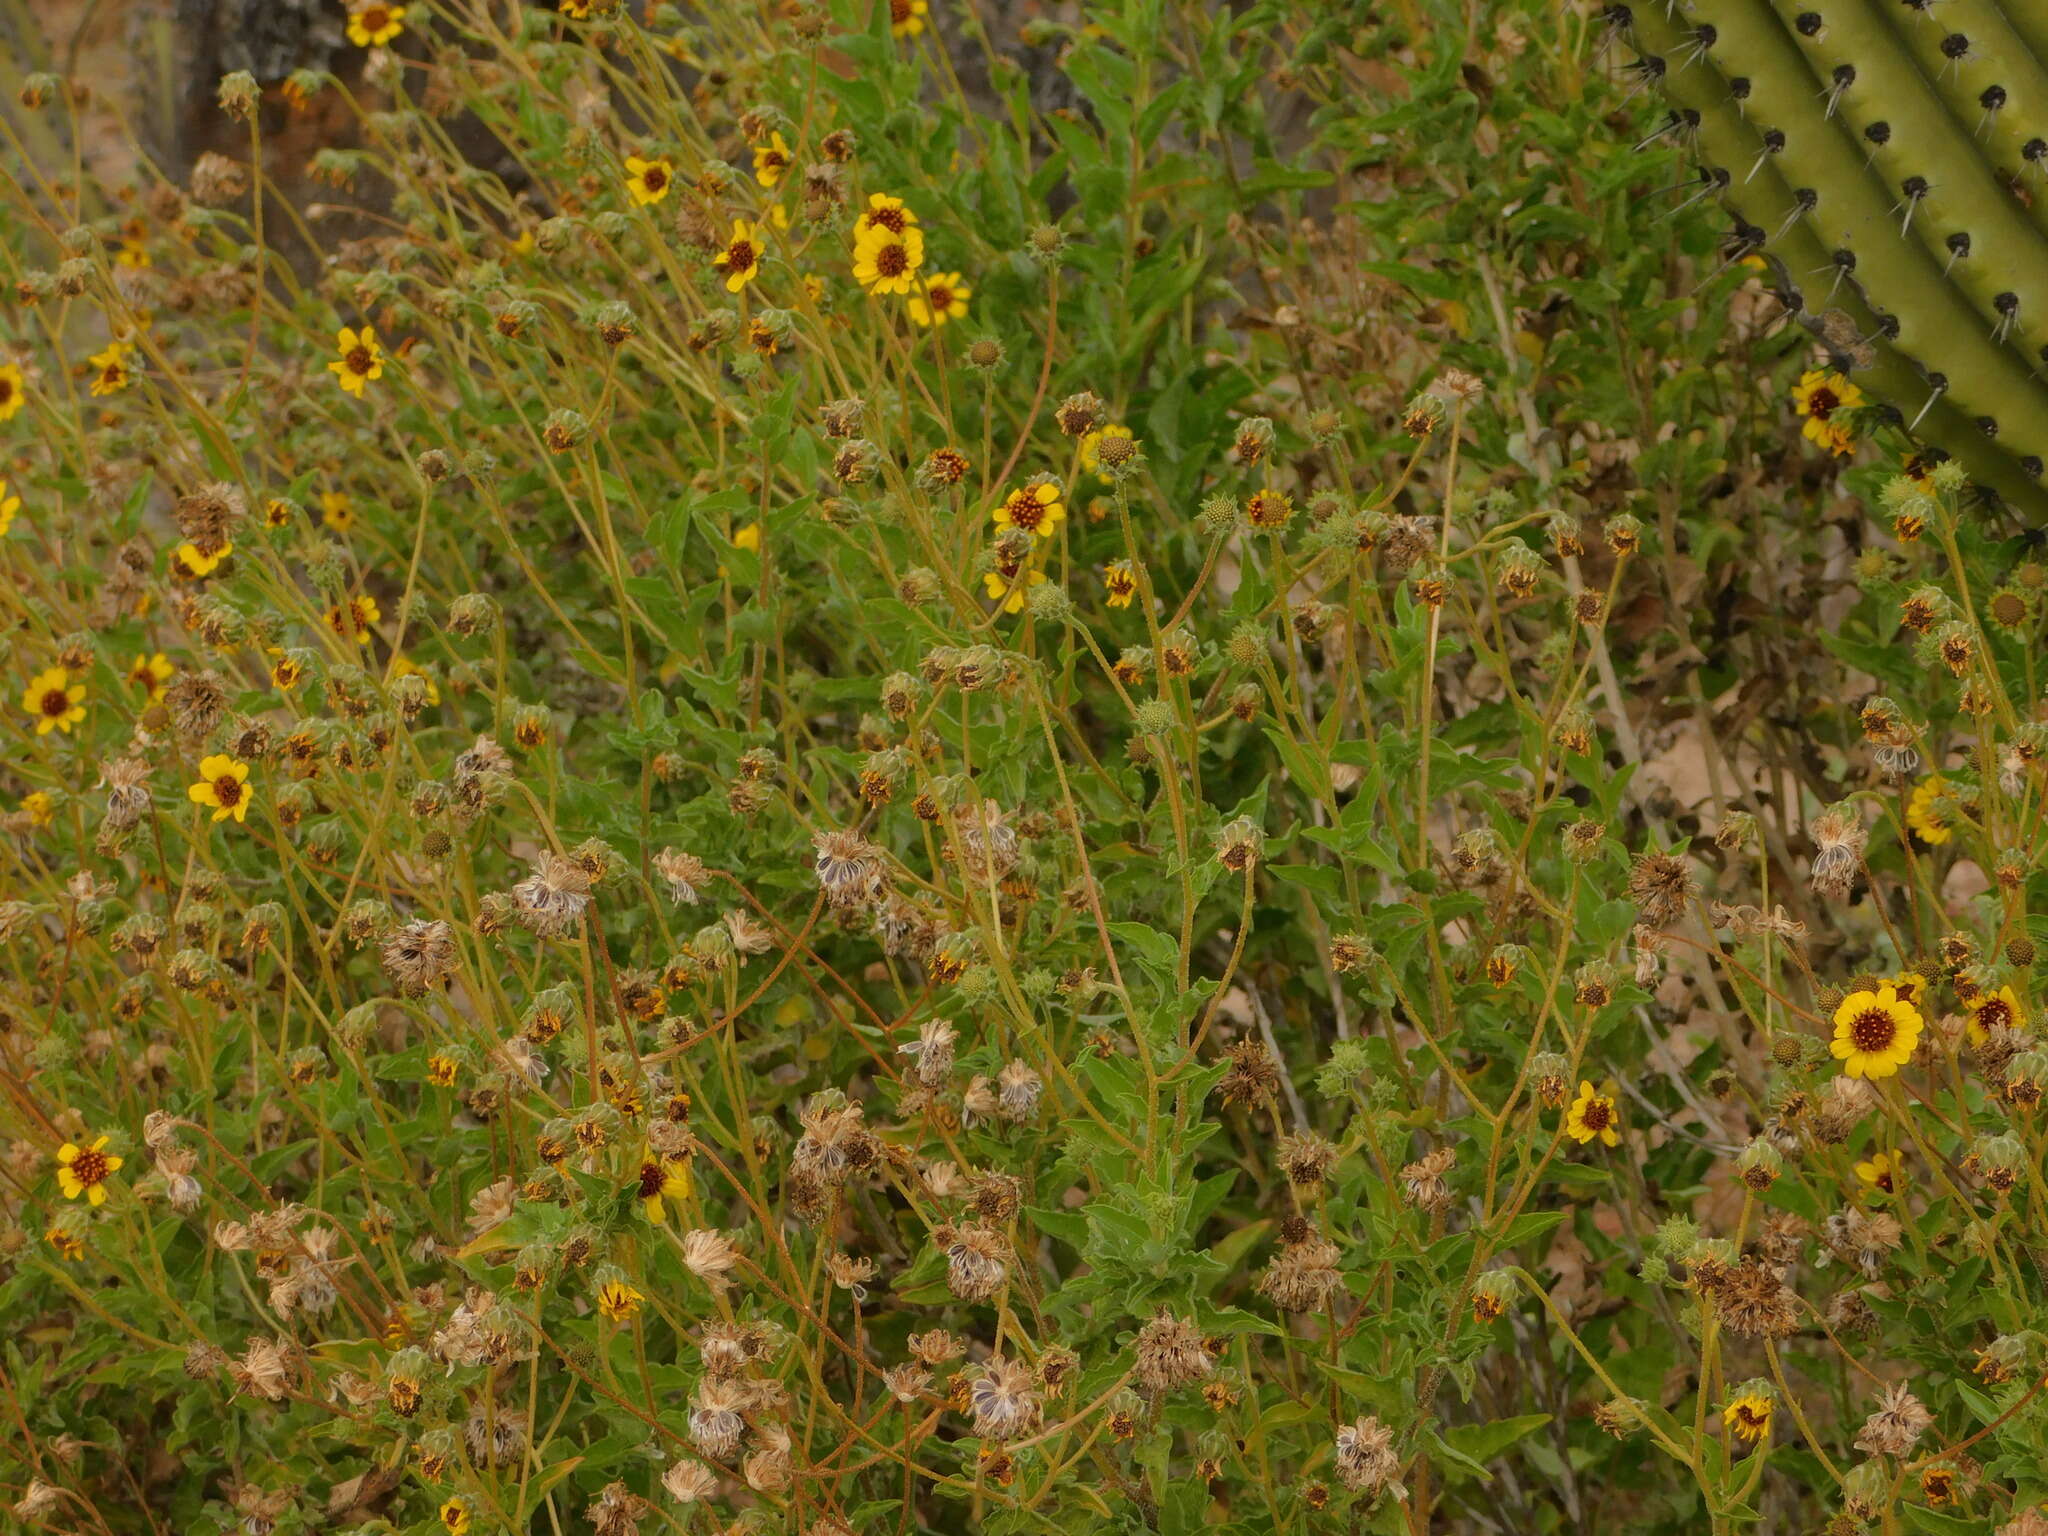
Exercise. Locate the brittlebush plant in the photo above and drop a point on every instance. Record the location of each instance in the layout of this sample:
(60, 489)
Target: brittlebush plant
(838, 770)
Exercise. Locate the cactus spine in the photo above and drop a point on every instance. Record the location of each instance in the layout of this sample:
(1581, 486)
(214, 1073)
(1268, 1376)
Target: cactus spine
(1890, 158)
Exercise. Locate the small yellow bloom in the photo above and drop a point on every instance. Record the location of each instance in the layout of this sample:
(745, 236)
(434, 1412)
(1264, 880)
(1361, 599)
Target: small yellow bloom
(1008, 591)
(1995, 1010)
(662, 1178)
(441, 1069)
(361, 360)
(748, 537)
(740, 261)
(1923, 817)
(355, 619)
(1121, 582)
(56, 703)
(1818, 396)
(1035, 508)
(883, 215)
(9, 505)
(69, 1245)
(405, 666)
(906, 17)
(111, 373)
(150, 673)
(1882, 1171)
(224, 785)
(1592, 1116)
(771, 160)
(85, 1170)
(285, 672)
(1875, 1033)
(189, 561)
(39, 808)
(886, 262)
(577, 9)
(944, 298)
(648, 181)
(1091, 445)
(618, 1300)
(337, 511)
(454, 1517)
(1748, 1417)
(374, 25)
(13, 391)
(277, 513)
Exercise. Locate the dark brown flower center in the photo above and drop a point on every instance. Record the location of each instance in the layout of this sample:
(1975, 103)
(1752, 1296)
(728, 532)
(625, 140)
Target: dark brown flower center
(1873, 1030)
(1995, 1014)
(941, 296)
(90, 1167)
(650, 1180)
(654, 178)
(1025, 511)
(892, 261)
(228, 789)
(890, 219)
(739, 256)
(6, 390)
(55, 702)
(1596, 1115)
(1821, 403)
(360, 361)
(899, 11)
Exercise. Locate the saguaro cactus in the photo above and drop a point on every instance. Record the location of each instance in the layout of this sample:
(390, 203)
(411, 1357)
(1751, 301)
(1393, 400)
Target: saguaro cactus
(1890, 158)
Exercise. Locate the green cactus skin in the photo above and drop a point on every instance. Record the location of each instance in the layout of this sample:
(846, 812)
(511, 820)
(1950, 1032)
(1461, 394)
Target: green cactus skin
(2029, 21)
(1960, 331)
(1725, 137)
(2007, 255)
(1996, 59)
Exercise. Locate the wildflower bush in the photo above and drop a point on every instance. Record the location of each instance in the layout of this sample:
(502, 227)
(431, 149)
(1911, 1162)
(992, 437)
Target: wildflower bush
(873, 768)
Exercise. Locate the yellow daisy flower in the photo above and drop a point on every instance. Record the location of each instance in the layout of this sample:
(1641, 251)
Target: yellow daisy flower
(13, 391)
(1091, 445)
(354, 619)
(1818, 396)
(85, 1170)
(39, 808)
(454, 1517)
(741, 259)
(1994, 1010)
(55, 702)
(748, 537)
(374, 25)
(191, 561)
(1008, 591)
(883, 215)
(1881, 1171)
(771, 160)
(1923, 818)
(441, 1069)
(648, 181)
(111, 373)
(944, 298)
(618, 1300)
(1592, 1116)
(1035, 508)
(662, 1178)
(1121, 582)
(150, 673)
(906, 17)
(9, 505)
(1875, 1033)
(579, 10)
(1748, 1417)
(337, 511)
(224, 785)
(361, 360)
(886, 262)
